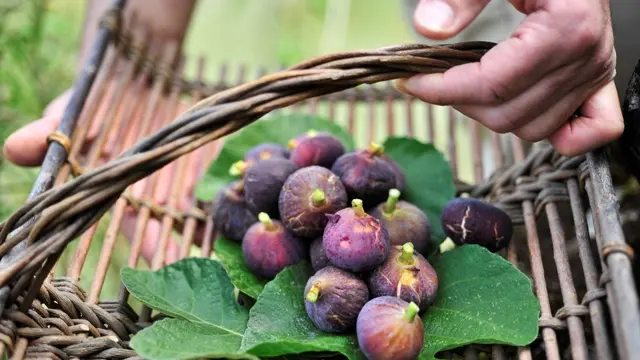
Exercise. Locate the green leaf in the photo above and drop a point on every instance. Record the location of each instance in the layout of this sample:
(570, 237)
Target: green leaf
(482, 299)
(174, 339)
(279, 325)
(429, 178)
(196, 291)
(277, 129)
(230, 255)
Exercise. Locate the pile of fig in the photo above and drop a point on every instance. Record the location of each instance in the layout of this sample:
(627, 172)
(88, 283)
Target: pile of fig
(342, 210)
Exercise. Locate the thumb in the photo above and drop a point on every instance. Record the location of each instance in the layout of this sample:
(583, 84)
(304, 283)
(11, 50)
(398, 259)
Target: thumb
(442, 19)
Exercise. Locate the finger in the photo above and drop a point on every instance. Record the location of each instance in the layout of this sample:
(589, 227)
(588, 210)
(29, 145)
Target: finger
(28, 145)
(600, 123)
(442, 19)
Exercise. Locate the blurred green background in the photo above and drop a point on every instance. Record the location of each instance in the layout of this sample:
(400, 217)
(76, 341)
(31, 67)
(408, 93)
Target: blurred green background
(39, 43)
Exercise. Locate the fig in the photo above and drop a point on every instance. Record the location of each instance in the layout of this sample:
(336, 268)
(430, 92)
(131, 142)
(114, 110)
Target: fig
(334, 298)
(354, 240)
(268, 247)
(404, 222)
(472, 221)
(294, 142)
(317, 255)
(401, 180)
(266, 151)
(263, 181)
(365, 175)
(231, 216)
(407, 275)
(390, 328)
(320, 149)
(307, 196)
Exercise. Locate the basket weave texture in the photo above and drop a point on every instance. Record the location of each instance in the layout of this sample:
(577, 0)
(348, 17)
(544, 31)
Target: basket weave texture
(549, 197)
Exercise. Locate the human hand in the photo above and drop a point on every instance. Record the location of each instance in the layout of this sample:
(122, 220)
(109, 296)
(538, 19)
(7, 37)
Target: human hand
(560, 59)
(28, 145)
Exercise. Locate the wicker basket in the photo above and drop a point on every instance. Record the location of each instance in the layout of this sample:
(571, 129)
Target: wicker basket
(583, 281)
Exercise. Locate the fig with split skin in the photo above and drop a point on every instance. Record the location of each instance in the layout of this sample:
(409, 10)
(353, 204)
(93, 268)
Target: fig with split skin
(268, 247)
(317, 255)
(404, 221)
(472, 221)
(389, 328)
(307, 196)
(365, 175)
(354, 240)
(231, 215)
(262, 183)
(407, 275)
(266, 151)
(333, 299)
(321, 149)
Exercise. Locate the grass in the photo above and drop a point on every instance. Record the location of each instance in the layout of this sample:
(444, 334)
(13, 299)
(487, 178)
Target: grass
(39, 45)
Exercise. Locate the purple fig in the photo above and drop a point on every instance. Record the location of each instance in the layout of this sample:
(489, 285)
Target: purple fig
(318, 257)
(333, 299)
(231, 216)
(295, 141)
(401, 181)
(404, 222)
(354, 240)
(472, 221)
(320, 149)
(266, 151)
(307, 196)
(406, 274)
(390, 328)
(365, 175)
(262, 183)
(268, 247)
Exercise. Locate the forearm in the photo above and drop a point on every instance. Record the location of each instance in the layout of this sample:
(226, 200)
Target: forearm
(164, 19)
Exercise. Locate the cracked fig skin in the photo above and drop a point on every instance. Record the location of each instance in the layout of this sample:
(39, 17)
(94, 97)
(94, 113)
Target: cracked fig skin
(354, 240)
(268, 247)
(307, 196)
(471, 221)
(262, 184)
(334, 298)
(389, 328)
(407, 275)
(404, 221)
(231, 216)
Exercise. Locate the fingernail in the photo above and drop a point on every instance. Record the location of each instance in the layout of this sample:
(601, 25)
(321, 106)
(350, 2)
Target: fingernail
(434, 15)
(409, 85)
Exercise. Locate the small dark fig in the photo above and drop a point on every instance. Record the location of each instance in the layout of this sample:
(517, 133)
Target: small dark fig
(333, 299)
(321, 149)
(390, 328)
(317, 255)
(295, 141)
(354, 240)
(406, 274)
(401, 180)
(365, 175)
(266, 151)
(263, 181)
(472, 221)
(404, 222)
(268, 247)
(231, 216)
(307, 196)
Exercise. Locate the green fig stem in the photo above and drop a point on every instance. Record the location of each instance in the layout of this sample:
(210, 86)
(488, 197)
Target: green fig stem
(407, 253)
(266, 220)
(312, 133)
(292, 144)
(375, 149)
(313, 293)
(411, 311)
(238, 168)
(356, 204)
(392, 200)
(318, 197)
